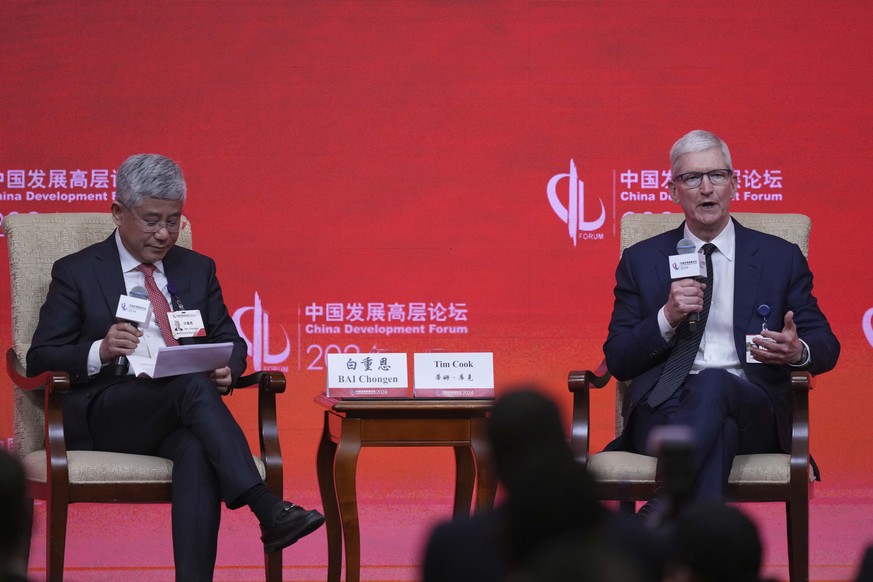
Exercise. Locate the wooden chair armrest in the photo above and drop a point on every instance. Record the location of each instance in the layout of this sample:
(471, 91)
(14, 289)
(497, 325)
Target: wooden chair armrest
(50, 381)
(580, 382)
(268, 383)
(585, 379)
(55, 384)
(801, 384)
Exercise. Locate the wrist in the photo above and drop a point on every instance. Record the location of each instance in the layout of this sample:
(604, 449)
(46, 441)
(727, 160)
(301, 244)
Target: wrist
(804, 355)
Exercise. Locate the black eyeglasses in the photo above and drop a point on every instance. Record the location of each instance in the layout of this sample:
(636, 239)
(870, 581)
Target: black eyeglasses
(695, 179)
(153, 226)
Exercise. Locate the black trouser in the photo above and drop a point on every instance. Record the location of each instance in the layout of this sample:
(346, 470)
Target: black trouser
(727, 415)
(183, 419)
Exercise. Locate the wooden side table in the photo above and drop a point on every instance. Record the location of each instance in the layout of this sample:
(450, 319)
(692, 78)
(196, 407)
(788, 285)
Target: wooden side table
(352, 424)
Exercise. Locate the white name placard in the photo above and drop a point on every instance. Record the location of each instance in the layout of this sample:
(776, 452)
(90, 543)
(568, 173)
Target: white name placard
(354, 375)
(690, 265)
(454, 375)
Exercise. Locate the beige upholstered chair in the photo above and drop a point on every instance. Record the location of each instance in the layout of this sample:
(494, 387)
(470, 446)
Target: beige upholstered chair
(630, 477)
(57, 475)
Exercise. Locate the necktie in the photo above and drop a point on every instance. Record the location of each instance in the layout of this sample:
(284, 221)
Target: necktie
(687, 342)
(160, 307)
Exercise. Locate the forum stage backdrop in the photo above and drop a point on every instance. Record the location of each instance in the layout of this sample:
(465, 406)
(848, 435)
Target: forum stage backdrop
(414, 175)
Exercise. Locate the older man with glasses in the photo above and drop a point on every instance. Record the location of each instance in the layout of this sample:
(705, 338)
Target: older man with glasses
(683, 342)
(182, 417)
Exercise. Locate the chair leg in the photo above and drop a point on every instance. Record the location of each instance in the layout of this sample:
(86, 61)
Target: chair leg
(797, 522)
(22, 552)
(56, 533)
(273, 563)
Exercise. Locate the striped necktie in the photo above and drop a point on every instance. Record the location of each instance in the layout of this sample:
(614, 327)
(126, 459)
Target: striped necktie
(687, 343)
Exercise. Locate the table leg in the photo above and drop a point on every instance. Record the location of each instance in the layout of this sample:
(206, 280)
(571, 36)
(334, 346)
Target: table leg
(327, 486)
(465, 476)
(345, 467)
(486, 477)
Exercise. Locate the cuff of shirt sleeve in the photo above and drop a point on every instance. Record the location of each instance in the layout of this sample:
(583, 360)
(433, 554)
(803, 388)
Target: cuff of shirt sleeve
(94, 363)
(805, 357)
(667, 331)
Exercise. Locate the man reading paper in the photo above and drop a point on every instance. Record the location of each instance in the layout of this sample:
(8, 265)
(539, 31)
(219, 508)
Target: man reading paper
(181, 417)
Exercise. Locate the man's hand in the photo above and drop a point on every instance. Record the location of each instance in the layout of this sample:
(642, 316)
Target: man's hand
(686, 297)
(120, 340)
(785, 347)
(222, 378)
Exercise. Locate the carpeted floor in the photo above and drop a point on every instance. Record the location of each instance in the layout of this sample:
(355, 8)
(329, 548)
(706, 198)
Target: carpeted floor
(102, 545)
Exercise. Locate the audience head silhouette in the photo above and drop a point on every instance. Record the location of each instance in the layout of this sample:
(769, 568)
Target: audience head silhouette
(715, 543)
(549, 494)
(14, 515)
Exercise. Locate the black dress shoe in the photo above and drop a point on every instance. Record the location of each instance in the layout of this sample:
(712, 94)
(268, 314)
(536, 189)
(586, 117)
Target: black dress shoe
(290, 523)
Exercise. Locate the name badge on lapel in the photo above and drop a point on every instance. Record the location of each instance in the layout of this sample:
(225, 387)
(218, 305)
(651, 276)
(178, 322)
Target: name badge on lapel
(186, 324)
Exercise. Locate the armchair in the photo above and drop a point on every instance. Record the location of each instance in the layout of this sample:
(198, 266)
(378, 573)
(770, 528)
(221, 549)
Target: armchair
(629, 477)
(60, 476)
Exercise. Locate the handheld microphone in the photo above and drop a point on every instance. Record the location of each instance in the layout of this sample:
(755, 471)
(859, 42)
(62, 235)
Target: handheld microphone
(134, 309)
(686, 247)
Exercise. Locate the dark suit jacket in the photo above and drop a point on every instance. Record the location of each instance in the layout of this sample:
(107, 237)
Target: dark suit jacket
(769, 270)
(80, 307)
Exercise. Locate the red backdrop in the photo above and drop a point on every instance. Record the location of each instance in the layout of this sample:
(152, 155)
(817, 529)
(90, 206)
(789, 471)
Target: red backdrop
(352, 159)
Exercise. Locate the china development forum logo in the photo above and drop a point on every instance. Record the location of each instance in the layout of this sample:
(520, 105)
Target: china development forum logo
(867, 325)
(258, 341)
(573, 215)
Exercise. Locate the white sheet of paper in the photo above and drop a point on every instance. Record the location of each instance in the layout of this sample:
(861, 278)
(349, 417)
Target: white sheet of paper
(175, 360)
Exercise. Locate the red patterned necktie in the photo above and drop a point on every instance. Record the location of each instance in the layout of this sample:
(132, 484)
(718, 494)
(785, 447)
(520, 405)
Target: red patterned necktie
(160, 307)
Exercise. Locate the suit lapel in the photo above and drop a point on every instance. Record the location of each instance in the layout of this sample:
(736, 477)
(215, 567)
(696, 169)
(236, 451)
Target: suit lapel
(176, 279)
(107, 273)
(179, 284)
(747, 277)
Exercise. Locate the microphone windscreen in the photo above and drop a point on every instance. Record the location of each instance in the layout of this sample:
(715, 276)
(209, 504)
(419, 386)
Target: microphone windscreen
(685, 247)
(139, 292)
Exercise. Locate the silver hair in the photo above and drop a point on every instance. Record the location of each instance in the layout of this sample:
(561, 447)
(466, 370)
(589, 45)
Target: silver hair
(698, 141)
(144, 176)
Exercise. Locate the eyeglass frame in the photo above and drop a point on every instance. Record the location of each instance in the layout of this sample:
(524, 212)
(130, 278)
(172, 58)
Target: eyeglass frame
(681, 177)
(153, 227)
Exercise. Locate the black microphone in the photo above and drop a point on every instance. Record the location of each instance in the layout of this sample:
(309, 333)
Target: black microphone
(121, 365)
(686, 247)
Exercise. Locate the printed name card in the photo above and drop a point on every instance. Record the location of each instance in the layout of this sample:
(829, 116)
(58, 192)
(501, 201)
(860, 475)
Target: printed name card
(454, 375)
(353, 375)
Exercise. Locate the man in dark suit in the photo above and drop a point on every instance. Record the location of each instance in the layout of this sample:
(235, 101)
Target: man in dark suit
(183, 417)
(735, 399)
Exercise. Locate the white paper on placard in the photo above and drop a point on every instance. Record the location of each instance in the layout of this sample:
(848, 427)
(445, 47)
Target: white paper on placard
(443, 370)
(362, 370)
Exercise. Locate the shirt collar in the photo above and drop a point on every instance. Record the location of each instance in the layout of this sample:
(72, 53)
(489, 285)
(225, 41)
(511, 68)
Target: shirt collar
(725, 241)
(128, 262)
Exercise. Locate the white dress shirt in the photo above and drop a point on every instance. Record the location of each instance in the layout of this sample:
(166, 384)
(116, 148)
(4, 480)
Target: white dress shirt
(717, 348)
(152, 338)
